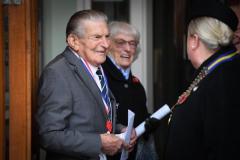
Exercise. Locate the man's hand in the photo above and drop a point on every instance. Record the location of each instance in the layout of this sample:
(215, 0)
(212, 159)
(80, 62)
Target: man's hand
(133, 140)
(111, 144)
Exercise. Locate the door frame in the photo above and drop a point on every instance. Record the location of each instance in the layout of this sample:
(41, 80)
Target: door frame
(2, 88)
(23, 78)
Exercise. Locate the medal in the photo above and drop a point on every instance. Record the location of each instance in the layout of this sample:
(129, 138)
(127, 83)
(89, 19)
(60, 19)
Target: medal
(183, 97)
(109, 126)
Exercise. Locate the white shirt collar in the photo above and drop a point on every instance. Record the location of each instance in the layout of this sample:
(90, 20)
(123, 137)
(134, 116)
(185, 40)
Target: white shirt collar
(125, 72)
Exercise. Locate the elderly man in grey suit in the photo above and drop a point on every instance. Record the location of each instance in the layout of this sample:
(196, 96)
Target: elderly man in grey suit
(76, 114)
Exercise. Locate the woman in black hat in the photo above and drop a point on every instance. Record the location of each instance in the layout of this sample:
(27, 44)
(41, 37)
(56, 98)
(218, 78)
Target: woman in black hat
(205, 121)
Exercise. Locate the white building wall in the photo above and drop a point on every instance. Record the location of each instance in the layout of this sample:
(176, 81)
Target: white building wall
(141, 17)
(55, 17)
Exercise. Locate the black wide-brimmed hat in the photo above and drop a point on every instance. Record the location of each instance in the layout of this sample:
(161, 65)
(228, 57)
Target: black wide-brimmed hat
(214, 9)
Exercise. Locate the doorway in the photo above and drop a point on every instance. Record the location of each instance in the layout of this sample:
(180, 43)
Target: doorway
(18, 78)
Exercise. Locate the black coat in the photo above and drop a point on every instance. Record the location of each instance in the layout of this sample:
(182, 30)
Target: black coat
(129, 94)
(207, 125)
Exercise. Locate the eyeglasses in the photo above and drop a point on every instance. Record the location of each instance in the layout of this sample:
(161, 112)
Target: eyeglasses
(122, 43)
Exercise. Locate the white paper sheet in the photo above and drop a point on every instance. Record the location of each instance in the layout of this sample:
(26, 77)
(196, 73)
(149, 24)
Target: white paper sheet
(159, 114)
(127, 134)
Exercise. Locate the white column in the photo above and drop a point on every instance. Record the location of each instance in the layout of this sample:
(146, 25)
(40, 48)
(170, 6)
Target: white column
(141, 17)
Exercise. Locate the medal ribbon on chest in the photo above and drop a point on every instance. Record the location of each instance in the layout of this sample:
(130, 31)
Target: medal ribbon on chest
(104, 93)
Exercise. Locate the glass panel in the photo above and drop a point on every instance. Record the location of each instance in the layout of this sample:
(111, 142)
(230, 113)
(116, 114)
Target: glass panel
(53, 20)
(170, 65)
(115, 9)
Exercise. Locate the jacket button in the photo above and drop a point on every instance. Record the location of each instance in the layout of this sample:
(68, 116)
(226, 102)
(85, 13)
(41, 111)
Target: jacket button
(125, 85)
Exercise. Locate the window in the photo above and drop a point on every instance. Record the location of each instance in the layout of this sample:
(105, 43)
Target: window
(115, 9)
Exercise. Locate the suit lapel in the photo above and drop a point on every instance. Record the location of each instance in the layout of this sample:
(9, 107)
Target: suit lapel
(86, 78)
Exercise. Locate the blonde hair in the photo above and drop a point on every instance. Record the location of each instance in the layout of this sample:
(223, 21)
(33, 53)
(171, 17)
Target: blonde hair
(212, 32)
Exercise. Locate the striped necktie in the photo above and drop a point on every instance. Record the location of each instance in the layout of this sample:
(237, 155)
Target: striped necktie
(104, 88)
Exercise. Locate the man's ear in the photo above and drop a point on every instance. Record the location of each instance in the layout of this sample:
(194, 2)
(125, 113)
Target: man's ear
(73, 42)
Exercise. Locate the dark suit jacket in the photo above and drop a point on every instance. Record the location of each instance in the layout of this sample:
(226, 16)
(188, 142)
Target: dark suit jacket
(71, 113)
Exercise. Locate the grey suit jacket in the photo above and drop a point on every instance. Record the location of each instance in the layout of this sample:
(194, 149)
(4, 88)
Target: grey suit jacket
(71, 114)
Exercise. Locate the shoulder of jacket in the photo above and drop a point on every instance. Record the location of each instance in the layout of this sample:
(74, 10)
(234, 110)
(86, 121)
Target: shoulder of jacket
(135, 79)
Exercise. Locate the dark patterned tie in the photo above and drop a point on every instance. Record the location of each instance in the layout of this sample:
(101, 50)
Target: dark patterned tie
(104, 88)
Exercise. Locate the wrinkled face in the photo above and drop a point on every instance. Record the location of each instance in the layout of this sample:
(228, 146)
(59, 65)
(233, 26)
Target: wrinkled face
(123, 49)
(93, 46)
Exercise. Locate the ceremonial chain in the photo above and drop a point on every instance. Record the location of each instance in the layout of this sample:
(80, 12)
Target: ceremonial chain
(182, 98)
(202, 74)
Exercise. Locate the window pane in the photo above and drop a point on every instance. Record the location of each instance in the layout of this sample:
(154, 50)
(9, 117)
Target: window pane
(115, 9)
